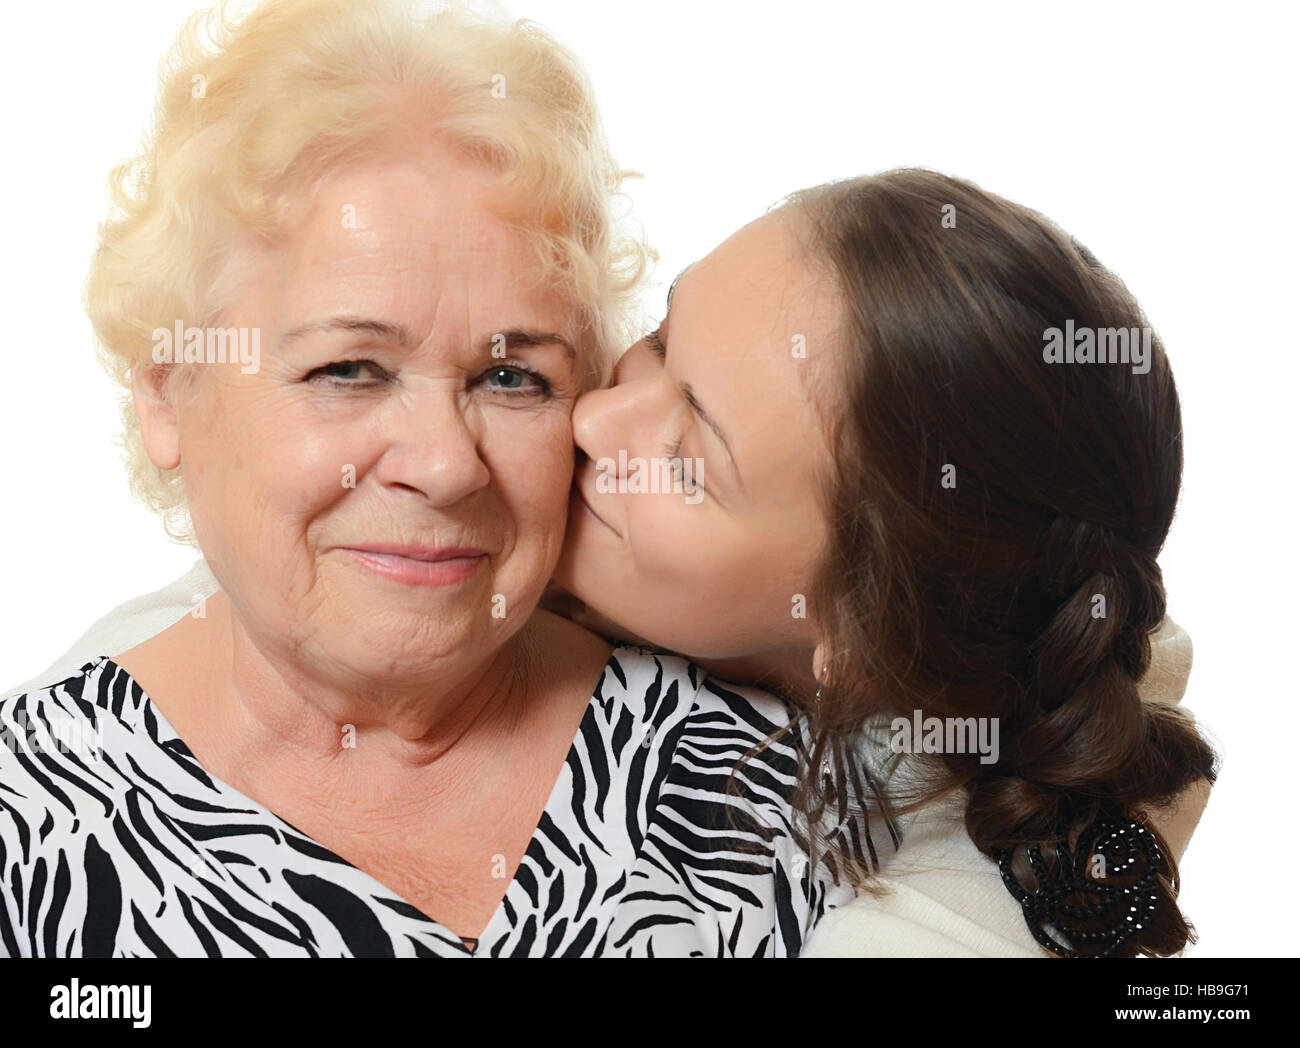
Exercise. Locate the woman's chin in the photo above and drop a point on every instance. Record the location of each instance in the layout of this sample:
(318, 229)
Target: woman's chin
(396, 652)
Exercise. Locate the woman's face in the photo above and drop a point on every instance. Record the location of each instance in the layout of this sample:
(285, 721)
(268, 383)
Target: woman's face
(719, 566)
(385, 497)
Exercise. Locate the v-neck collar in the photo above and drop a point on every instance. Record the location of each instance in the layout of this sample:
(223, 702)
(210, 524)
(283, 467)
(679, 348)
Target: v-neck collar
(493, 932)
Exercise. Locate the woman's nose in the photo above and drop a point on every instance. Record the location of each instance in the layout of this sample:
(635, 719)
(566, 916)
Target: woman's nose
(432, 449)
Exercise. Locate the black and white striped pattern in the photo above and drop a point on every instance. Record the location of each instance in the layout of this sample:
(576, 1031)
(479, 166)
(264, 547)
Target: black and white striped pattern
(137, 851)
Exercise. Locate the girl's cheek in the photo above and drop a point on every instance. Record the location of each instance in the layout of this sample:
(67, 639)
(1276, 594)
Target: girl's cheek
(674, 538)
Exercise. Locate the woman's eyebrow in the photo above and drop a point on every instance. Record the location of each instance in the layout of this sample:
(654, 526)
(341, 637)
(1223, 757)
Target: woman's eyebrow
(526, 338)
(389, 331)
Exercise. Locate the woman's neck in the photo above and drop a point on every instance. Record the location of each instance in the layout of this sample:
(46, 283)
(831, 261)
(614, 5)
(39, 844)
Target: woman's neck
(264, 723)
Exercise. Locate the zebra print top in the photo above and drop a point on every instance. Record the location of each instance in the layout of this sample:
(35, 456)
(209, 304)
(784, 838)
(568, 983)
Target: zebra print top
(114, 841)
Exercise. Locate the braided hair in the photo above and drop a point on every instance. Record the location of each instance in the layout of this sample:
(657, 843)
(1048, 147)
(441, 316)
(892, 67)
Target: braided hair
(995, 517)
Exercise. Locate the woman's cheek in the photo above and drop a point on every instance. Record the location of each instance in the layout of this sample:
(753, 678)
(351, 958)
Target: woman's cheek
(530, 454)
(304, 469)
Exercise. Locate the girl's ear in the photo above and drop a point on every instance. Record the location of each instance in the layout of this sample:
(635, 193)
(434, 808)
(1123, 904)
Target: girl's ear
(159, 423)
(820, 656)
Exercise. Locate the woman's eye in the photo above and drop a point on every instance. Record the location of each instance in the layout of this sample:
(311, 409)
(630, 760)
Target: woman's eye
(348, 372)
(516, 381)
(512, 380)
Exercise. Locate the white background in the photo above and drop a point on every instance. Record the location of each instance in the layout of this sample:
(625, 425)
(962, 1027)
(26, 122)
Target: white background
(1162, 136)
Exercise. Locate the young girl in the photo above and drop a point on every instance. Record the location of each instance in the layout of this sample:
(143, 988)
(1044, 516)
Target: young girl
(919, 506)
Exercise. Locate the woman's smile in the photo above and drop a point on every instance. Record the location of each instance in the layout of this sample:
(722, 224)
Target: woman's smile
(418, 566)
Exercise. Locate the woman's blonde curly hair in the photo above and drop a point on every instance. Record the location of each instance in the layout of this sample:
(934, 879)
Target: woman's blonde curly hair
(257, 105)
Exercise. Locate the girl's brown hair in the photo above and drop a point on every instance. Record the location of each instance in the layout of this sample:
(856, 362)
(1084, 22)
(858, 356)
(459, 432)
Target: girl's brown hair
(994, 522)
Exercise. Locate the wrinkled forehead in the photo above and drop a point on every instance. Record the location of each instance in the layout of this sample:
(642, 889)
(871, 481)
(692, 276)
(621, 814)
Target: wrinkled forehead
(423, 237)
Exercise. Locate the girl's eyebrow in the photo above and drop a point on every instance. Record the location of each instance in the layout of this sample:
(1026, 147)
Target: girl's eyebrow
(712, 423)
(694, 401)
(689, 394)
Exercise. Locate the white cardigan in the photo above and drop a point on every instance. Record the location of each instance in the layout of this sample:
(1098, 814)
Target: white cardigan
(944, 897)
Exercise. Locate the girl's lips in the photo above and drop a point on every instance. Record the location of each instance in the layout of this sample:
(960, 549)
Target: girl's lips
(418, 567)
(578, 500)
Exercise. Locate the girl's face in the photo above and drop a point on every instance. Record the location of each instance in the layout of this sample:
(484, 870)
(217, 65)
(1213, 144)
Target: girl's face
(697, 515)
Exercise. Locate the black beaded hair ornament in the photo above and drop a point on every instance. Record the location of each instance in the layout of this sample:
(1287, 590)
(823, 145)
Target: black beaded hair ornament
(1094, 899)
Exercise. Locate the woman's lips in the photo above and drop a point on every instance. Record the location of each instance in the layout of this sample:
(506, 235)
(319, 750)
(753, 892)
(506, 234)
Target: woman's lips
(418, 565)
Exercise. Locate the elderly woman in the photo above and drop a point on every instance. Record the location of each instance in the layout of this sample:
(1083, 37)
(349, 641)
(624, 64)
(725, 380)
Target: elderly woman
(371, 741)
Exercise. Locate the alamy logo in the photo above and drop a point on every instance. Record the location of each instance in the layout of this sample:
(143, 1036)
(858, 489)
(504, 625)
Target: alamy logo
(667, 476)
(1087, 345)
(61, 732)
(214, 345)
(101, 1002)
(946, 735)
